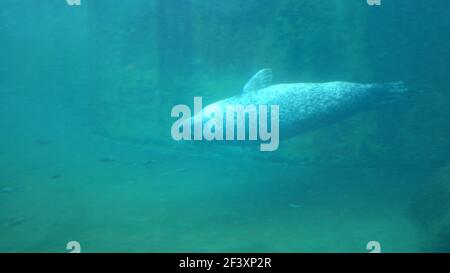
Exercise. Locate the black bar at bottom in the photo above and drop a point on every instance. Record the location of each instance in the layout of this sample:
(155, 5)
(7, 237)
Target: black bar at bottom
(226, 262)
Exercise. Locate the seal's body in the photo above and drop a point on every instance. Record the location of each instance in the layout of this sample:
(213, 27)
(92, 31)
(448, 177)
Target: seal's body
(305, 106)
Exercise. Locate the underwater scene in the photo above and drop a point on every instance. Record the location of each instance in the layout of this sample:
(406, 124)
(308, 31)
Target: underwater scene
(343, 143)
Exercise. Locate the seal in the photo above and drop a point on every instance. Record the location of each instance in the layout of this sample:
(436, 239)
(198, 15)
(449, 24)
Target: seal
(306, 106)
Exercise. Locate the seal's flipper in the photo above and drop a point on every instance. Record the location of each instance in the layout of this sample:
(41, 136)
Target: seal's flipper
(261, 80)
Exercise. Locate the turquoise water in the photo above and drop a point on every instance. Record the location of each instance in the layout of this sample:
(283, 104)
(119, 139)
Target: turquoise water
(86, 152)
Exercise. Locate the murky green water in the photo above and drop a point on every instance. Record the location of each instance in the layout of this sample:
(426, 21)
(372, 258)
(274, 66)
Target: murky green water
(86, 152)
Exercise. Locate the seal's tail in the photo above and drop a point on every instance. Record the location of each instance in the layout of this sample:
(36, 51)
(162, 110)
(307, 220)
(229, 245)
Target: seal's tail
(390, 89)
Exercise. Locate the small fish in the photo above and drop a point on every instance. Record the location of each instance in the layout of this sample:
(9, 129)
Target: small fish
(44, 141)
(55, 176)
(107, 160)
(145, 162)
